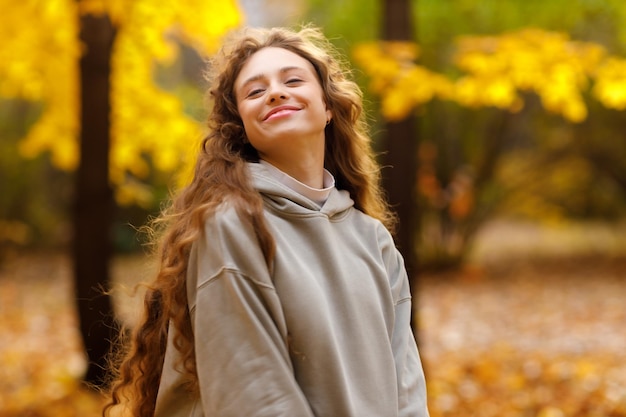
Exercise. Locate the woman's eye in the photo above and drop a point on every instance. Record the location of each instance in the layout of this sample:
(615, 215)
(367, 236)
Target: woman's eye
(255, 92)
(293, 80)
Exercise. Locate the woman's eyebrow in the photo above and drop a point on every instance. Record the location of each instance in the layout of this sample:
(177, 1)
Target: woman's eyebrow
(291, 68)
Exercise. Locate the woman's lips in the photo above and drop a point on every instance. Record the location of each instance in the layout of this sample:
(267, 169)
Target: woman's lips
(280, 112)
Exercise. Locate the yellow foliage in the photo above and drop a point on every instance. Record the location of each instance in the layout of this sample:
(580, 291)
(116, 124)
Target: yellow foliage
(380, 66)
(546, 63)
(39, 62)
(496, 70)
(488, 91)
(401, 83)
(610, 87)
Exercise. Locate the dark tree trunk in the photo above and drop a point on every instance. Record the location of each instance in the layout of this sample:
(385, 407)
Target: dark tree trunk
(94, 199)
(400, 150)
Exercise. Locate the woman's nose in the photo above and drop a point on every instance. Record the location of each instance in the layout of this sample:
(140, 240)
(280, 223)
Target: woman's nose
(277, 92)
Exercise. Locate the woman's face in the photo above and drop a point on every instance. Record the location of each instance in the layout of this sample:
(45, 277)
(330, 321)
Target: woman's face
(280, 101)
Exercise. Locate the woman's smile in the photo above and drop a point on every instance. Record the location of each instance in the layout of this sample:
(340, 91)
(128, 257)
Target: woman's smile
(280, 112)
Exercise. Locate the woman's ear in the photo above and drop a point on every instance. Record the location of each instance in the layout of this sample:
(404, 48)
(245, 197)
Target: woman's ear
(329, 116)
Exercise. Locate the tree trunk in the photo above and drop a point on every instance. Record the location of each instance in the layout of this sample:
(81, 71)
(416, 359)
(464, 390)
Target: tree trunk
(94, 199)
(400, 151)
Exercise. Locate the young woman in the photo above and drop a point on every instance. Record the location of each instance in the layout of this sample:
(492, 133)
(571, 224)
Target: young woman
(280, 291)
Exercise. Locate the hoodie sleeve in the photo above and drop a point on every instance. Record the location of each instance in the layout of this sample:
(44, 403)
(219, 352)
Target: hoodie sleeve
(409, 371)
(242, 356)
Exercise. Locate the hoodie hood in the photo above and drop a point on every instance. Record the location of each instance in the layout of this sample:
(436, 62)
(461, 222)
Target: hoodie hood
(285, 200)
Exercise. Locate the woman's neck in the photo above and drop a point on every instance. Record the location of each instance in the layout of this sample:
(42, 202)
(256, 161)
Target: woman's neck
(306, 167)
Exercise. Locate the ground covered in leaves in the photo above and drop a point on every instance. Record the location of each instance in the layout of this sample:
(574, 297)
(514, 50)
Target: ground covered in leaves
(513, 335)
(540, 338)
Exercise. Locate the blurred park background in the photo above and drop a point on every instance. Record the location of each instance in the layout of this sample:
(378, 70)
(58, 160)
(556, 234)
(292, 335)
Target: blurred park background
(504, 123)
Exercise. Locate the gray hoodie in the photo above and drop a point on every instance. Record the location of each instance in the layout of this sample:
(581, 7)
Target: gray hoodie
(325, 333)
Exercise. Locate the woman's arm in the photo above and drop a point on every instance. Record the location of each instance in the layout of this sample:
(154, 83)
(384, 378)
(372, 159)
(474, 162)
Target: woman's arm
(411, 381)
(242, 356)
(409, 371)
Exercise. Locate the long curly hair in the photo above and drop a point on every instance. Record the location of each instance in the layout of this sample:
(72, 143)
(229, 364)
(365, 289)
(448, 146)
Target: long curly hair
(220, 174)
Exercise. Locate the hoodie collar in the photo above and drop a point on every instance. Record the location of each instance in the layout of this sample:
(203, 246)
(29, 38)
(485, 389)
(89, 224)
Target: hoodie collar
(319, 195)
(279, 193)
